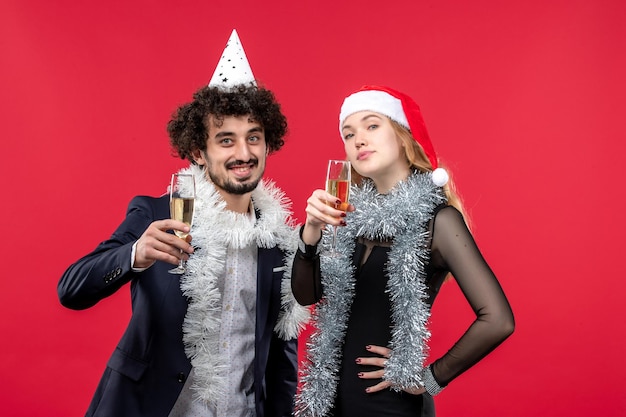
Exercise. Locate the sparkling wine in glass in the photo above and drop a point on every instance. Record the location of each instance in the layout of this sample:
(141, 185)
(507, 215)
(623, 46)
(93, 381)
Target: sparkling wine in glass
(182, 198)
(338, 184)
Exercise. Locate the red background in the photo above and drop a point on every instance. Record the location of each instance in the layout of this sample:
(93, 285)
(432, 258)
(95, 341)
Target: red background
(525, 103)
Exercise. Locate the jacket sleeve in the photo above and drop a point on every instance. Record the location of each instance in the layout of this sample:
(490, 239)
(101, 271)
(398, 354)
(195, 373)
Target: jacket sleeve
(454, 249)
(106, 269)
(282, 377)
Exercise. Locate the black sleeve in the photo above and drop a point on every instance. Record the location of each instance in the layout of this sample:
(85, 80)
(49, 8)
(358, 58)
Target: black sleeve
(306, 280)
(106, 269)
(455, 250)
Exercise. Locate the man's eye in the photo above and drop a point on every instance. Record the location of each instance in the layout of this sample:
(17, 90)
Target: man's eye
(253, 139)
(226, 141)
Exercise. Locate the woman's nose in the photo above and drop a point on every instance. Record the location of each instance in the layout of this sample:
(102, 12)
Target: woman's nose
(359, 139)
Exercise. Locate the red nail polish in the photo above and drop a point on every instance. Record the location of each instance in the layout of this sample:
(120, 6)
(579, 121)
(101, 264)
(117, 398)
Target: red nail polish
(358, 360)
(343, 214)
(343, 223)
(360, 374)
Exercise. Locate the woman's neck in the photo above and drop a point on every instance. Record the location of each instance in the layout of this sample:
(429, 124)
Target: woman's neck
(384, 183)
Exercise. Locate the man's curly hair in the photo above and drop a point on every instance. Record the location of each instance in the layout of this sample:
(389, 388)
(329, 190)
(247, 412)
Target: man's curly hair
(188, 127)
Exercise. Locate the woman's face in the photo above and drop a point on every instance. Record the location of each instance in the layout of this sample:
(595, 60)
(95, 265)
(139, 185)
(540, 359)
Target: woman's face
(374, 150)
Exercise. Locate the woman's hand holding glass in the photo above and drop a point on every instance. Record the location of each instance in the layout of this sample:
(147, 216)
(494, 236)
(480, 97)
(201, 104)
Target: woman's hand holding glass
(320, 212)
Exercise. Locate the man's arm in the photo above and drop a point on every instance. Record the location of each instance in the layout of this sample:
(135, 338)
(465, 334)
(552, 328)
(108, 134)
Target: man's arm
(106, 269)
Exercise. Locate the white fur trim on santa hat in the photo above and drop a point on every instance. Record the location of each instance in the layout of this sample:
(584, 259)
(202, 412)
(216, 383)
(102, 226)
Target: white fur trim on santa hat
(376, 101)
(440, 177)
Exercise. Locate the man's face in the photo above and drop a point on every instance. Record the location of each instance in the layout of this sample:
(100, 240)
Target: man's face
(235, 154)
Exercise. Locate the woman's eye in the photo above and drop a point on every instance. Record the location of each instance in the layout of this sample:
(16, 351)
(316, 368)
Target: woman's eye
(348, 136)
(372, 127)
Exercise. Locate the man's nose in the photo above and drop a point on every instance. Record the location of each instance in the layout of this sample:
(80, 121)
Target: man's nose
(242, 151)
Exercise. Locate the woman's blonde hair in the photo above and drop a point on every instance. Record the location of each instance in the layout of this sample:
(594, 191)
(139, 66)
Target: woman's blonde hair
(417, 159)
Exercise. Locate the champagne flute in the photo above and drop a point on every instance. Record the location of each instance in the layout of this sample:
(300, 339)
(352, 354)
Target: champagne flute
(182, 197)
(338, 184)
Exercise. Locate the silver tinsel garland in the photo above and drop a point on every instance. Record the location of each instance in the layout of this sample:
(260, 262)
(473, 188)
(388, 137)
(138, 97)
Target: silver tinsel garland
(402, 215)
(214, 230)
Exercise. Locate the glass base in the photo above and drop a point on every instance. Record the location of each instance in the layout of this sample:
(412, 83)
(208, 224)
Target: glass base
(178, 270)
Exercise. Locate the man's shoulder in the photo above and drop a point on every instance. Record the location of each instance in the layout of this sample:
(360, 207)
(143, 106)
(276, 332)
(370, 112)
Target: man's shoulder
(147, 199)
(149, 203)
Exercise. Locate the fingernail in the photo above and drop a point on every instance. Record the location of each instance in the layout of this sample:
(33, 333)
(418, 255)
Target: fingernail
(343, 214)
(368, 347)
(343, 223)
(358, 360)
(367, 389)
(360, 374)
(338, 202)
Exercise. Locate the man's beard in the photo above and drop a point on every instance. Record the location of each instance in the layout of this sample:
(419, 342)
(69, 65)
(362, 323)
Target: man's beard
(233, 187)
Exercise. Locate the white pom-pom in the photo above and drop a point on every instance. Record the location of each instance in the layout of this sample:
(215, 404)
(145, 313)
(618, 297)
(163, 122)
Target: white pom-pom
(440, 177)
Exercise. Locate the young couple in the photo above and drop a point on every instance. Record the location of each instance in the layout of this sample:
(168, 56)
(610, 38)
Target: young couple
(220, 340)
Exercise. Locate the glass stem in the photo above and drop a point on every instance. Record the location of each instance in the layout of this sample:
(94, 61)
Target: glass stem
(334, 237)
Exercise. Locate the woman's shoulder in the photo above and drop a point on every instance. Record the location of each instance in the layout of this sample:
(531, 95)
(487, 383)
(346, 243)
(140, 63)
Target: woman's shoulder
(446, 219)
(446, 211)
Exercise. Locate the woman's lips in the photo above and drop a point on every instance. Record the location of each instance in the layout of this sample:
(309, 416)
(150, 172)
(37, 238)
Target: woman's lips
(363, 155)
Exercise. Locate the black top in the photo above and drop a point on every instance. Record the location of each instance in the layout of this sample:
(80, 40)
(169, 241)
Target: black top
(453, 250)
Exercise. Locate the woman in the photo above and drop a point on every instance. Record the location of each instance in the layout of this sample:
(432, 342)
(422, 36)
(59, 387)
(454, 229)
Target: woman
(403, 234)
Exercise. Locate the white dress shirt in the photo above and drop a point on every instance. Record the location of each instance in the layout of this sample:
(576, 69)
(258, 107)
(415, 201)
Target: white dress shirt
(237, 335)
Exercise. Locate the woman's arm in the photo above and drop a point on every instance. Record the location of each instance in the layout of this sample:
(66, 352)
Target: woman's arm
(306, 281)
(454, 248)
(305, 275)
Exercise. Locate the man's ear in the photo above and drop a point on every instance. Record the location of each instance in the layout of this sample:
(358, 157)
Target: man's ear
(198, 157)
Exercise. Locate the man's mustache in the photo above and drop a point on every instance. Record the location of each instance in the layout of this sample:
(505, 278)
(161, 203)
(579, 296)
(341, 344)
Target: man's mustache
(253, 161)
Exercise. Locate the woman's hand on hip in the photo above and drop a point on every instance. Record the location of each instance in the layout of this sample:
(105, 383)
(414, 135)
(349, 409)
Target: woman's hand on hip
(380, 361)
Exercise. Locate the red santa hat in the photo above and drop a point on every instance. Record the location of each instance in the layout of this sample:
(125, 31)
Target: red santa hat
(400, 108)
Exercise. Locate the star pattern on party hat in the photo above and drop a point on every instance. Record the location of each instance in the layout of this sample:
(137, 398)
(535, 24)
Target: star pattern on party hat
(233, 68)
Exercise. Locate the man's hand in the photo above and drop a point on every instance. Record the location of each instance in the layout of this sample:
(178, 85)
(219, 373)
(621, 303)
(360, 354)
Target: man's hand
(155, 244)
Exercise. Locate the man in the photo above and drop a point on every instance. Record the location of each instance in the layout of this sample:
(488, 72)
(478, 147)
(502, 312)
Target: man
(219, 340)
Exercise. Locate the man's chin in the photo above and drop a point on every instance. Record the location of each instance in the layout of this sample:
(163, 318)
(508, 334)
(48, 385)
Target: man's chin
(236, 185)
(241, 187)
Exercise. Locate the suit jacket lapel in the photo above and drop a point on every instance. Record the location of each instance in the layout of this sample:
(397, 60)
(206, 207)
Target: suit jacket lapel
(264, 292)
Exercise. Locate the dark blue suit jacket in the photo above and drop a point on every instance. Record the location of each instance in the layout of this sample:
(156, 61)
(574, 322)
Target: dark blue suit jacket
(148, 368)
